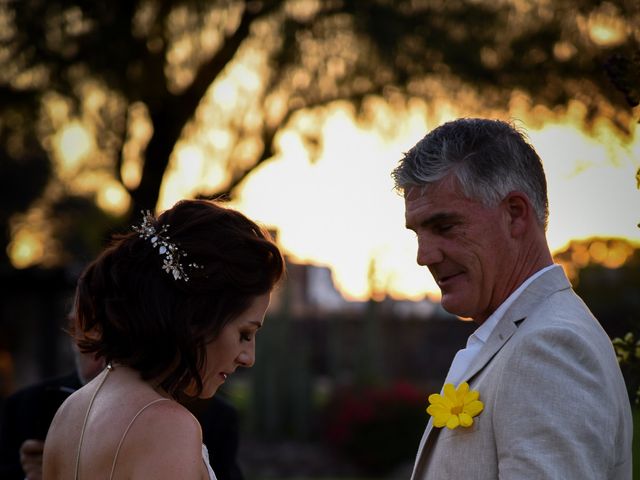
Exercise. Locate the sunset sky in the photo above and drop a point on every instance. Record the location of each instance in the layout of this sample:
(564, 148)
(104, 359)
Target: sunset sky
(329, 195)
(340, 210)
(336, 207)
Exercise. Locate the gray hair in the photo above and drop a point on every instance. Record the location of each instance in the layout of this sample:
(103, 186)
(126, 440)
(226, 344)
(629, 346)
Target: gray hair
(490, 159)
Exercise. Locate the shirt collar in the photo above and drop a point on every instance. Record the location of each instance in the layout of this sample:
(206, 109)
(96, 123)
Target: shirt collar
(483, 332)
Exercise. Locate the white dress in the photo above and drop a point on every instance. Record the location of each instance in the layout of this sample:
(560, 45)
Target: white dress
(205, 458)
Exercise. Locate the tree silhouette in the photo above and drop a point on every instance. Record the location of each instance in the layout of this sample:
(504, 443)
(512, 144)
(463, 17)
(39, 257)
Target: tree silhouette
(116, 63)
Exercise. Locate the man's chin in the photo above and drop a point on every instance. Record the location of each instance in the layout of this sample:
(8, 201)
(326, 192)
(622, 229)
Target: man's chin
(452, 305)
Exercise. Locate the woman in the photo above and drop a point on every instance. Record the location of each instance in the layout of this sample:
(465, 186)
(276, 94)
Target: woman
(173, 308)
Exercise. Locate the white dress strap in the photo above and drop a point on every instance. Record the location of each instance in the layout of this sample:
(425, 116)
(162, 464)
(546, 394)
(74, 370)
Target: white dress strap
(86, 416)
(113, 467)
(205, 459)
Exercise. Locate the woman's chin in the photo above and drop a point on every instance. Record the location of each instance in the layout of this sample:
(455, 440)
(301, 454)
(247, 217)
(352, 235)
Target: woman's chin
(208, 391)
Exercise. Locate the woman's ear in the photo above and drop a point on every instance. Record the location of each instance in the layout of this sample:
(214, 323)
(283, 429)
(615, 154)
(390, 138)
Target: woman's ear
(519, 211)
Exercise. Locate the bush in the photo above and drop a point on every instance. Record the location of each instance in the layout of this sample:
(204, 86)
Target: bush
(378, 429)
(628, 354)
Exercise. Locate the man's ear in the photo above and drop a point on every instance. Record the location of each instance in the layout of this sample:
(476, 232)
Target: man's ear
(520, 212)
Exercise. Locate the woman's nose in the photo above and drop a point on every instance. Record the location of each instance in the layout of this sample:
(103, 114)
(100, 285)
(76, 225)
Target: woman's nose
(247, 356)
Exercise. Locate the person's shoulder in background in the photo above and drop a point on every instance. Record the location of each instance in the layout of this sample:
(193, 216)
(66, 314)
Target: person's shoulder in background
(27, 414)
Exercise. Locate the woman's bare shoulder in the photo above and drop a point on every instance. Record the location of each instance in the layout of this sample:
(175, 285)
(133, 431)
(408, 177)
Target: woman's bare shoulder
(165, 441)
(70, 414)
(167, 418)
(63, 435)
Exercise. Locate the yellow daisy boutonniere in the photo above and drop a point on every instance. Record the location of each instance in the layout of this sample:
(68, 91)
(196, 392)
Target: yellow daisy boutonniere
(455, 407)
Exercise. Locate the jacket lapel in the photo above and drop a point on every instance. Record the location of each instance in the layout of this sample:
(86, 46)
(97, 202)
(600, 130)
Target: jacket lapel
(423, 450)
(548, 283)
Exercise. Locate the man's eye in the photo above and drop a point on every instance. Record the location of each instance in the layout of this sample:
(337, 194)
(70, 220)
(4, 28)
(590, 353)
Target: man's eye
(245, 337)
(445, 227)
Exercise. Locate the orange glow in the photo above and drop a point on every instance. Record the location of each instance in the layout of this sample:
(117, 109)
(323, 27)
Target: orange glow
(25, 249)
(606, 30)
(112, 198)
(188, 172)
(336, 206)
(72, 145)
(341, 210)
(608, 252)
(139, 132)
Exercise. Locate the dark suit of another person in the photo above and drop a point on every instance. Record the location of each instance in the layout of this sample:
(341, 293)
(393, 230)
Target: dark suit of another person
(27, 413)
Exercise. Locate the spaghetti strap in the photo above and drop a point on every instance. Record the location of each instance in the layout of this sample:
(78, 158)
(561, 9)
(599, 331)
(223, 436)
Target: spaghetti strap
(86, 416)
(113, 467)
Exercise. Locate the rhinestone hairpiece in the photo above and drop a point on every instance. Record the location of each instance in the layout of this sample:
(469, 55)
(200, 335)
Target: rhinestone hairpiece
(171, 254)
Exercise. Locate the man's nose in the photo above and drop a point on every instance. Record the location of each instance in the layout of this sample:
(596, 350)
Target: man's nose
(429, 252)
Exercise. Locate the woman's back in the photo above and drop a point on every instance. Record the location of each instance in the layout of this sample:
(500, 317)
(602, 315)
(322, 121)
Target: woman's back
(131, 431)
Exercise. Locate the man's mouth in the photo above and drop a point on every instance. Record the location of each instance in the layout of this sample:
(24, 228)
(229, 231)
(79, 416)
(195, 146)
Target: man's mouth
(446, 279)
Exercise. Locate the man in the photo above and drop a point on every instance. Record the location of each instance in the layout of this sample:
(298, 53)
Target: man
(27, 414)
(554, 400)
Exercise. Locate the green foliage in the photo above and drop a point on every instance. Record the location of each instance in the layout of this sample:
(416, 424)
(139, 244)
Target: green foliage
(628, 354)
(636, 443)
(624, 71)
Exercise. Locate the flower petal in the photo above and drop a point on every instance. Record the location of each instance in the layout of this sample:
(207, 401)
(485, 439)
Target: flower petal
(465, 420)
(440, 421)
(438, 410)
(453, 422)
(462, 391)
(450, 393)
(473, 408)
(471, 396)
(437, 399)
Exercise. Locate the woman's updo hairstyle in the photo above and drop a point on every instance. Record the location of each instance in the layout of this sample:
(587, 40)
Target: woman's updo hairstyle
(132, 310)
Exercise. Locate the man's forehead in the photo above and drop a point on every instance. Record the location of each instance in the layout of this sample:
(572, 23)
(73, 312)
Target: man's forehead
(415, 200)
(447, 185)
(413, 193)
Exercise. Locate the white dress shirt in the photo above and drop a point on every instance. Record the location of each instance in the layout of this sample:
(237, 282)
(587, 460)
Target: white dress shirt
(464, 358)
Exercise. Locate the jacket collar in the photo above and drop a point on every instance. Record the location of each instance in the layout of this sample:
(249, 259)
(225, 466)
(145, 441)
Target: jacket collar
(542, 287)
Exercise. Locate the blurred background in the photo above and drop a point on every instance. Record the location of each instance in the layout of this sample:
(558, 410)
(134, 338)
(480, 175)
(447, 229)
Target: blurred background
(295, 112)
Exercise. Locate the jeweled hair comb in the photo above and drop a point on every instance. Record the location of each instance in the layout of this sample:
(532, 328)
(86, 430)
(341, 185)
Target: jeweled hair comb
(171, 254)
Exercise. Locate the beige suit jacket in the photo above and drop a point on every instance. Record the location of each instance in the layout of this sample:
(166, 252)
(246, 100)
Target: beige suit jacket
(555, 402)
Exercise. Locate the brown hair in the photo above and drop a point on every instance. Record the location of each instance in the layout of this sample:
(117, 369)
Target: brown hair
(130, 311)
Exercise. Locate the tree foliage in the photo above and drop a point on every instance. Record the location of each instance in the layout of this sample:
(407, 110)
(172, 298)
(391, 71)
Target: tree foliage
(606, 275)
(115, 65)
